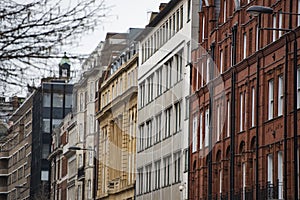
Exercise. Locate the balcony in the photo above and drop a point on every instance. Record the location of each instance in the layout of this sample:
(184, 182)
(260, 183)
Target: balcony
(80, 174)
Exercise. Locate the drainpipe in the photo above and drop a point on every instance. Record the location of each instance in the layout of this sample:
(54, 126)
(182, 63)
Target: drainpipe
(232, 114)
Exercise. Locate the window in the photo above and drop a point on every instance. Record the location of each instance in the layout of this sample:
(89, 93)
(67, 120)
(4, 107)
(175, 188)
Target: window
(271, 99)
(221, 61)
(218, 122)
(149, 134)
(45, 151)
(150, 88)
(203, 28)
(159, 81)
(186, 160)
(141, 138)
(168, 67)
(58, 100)
(68, 100)
(202, 74)
(274, 26)
(252, 107)
(46, 125)
(79, 195)
(228, 118)
(208, 70)
(298, 13)
(177, 117)
(158, 128)
(270, 169)
(241, 112)
(280, 95)
(142, 94)
(44, 175)
(280, 23)
(181, 17)
(280, 175)
(167, 163)
(177, 168)
(89, 189)
(201, 131)
(195, 138)
(81, 102)
(157, 175)
(178, 59)
(148, 178)
(92, 91)
(168, 115)
(207, 124)
(46, 100)
(140, 181)
(245, 46)
(257, 39)
(189, 10)
(224, 11)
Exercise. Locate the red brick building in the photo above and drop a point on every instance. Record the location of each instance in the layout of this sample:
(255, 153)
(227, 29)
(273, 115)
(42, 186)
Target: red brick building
(252, 144)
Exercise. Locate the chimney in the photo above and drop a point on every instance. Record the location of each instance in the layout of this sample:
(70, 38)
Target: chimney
(162, 6)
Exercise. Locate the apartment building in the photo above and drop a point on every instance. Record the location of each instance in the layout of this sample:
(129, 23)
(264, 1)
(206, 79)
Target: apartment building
(163, 114)
(242, 127)
(15, 155)
(117, 117)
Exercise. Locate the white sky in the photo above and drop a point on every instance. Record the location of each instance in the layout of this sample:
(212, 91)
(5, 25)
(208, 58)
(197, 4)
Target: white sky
(125, 14)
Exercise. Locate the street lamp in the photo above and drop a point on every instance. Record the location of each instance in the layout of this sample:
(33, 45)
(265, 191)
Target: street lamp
(257, 11)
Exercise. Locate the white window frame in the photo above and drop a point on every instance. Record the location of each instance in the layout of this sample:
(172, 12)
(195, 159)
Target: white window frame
(245, 45)
(201, 131)
(274, 18)
(241, 111)
(206, 142)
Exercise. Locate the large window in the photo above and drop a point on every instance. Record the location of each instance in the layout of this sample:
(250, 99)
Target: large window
(207, 124)
(68, 100)
(245, 46)
(221, 61)
(148, 178)
(280, 95)
(178, 59)
(157, 175)
(159, 81)
(58, 100)
(195, 138)
(47, 100)
(140, 182)
(149, 133)
(201, 131)
(218, 122)
(141, 138)
(142, 94)
(168, 116)
(274, 26)
(167, 165)
(177, 117)
(271, 99)
(177, 167)
(158, 128)
(241, 111)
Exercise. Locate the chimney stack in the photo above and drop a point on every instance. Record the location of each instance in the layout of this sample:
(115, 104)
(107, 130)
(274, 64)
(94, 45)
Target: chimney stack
(162, 6)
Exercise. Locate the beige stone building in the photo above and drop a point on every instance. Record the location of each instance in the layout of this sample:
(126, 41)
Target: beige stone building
(117, 117)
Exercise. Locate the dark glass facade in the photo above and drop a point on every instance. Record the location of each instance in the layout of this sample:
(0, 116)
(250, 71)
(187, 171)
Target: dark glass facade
(51, 104)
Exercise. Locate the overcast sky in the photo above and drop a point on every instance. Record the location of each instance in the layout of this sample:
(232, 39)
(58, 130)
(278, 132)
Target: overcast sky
(124, 14)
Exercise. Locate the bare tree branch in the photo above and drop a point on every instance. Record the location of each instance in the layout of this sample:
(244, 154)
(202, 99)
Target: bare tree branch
(35, 30)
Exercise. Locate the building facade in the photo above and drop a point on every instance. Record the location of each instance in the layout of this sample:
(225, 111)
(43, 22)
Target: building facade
(242, 127)
(15, 158)
(163, 118)
(117, 117)
(52, 102)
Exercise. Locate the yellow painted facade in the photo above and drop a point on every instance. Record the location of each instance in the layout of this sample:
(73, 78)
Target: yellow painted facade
(117, 119)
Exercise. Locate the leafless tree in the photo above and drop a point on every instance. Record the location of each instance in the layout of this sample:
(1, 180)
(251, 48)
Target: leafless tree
(33, 31)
